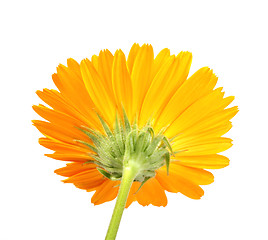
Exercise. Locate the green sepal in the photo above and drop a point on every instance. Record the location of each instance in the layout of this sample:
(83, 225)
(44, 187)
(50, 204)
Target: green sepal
(167, 159)
(176, 152)
(166, 142)
(88, 145)
(141, 142)
(105, 127)
(153, 145)
(108, 175)
(125, 144)
(145, 180)
(150, 130)
(126, 121)
(118, 136)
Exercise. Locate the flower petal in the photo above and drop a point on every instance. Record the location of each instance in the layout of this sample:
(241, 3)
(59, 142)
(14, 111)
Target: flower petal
(98, 92)
(204, 147)
(141, 76)
(210, 125)
(57, 118)
(160, 59)
(72, 87)
(194, 113)
(169, 78)
(62, 147)
(195, 175)
(74, 157)
(58, 133)
(196, 87)
(88, 180)
(213, 161)
(106, 192)
(121, 81)
(74, 168)
(152, 193)
(55, 100)
(132, 56)
(132, 196)
(175, 183)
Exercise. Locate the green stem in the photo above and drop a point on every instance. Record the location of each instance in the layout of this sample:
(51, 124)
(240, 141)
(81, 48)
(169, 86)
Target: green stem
(129, 174)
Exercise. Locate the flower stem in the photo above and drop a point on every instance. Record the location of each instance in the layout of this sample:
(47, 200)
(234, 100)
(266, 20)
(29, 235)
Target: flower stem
(129, 174)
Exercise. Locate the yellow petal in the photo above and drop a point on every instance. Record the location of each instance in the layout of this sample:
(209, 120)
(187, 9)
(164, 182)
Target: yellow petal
(95, 61)
(216, 120)
(141, 76)
(169, 78)
(204, 147)
(105, 64)
(132, 56)
(158, 85)
(196, 87)
(98, 91)
(195, 113)
(121, 81)
(160, 59)
(184, 141)
(213, 161)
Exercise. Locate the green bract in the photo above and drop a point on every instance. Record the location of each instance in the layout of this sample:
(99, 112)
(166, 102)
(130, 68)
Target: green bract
(126, 145)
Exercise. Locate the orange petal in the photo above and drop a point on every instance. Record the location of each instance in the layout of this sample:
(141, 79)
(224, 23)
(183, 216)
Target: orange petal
(55, 99)
(88, 180)
(57, 133)
(175, 183)
(106, 192)
(72, 87)
(132, 193)
(152, 193)
(63, 147)
(74, 168)
(57, 118)
(195, 175)
(73, 157)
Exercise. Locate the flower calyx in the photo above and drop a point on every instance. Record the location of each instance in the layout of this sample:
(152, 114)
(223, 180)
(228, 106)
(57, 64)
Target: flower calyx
(126, 145)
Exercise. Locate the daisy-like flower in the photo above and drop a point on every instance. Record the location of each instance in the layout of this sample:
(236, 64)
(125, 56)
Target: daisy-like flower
(138, 124)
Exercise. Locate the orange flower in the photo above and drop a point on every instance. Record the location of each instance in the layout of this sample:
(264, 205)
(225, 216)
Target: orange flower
(155, 96)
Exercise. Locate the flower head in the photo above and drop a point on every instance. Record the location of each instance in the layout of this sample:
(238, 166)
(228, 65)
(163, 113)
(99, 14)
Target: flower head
(111, 112)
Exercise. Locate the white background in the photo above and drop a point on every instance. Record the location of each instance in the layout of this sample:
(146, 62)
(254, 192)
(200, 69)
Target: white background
(229, 36)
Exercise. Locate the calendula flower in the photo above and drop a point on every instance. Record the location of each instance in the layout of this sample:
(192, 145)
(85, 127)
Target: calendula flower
(138, 124)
